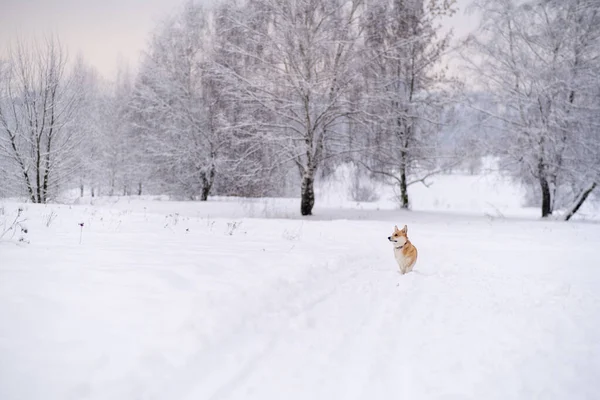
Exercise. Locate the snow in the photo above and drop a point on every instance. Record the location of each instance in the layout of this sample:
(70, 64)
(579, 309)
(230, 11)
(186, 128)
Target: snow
(235, 299)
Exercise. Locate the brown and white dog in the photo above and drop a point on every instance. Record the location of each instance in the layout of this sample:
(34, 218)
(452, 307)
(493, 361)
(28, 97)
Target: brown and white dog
(404, 251)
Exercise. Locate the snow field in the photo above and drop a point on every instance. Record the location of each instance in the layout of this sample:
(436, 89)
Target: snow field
(154, 305)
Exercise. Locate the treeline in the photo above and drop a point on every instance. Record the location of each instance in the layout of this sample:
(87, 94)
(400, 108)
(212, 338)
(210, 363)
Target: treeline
(258, 97)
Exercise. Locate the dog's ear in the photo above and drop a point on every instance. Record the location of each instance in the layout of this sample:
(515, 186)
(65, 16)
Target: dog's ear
(396, 228)
(405, 229)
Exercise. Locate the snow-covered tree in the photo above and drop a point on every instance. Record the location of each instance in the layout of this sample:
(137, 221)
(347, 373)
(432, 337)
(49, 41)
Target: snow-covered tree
(108, 151)
(539, 60)
(121, 147)
(39, 99)
(298, 71)
(175, 107)
(252, 166)
(405, 92)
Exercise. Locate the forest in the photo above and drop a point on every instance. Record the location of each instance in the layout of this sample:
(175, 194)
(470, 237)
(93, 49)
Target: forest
(260, 98)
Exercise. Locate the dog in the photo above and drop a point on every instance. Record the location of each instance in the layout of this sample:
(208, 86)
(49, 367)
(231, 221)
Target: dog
(404, 251)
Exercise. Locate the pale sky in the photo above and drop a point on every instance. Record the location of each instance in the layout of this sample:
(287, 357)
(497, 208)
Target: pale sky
(105, 30)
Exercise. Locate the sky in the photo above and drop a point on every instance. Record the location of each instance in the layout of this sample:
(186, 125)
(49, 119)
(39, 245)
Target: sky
(108, 32)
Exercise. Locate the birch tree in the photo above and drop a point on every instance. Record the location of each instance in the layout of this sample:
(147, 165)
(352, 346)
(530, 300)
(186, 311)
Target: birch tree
(38, 101)
(121, 147)
(251, 166)
(87, 121)
(538, 60)
(175, 107)
(300, 69)
(404, 89)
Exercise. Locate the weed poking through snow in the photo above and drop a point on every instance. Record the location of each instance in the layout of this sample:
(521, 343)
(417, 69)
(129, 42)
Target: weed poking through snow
(12, 226)
(49, 218)
(171, 220)
(80, 232)
(232, 227)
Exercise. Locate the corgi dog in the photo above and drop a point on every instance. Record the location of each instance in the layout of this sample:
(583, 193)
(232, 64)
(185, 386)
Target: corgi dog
(404, 251)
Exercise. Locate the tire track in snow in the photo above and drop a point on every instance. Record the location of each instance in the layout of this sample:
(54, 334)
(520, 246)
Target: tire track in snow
(208, 374)
(287, 328)
(395, 312)
(355, 316)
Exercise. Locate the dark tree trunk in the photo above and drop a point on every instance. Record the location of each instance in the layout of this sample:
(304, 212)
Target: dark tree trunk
(81, 192)
(579, 201)
(545, 189)
(205, 193)
(51, 130)
(38, 172)
(546, 197)
(307, 201)
(403, 184)
(24, 170)
(140, 188)
(207, 182)
(46, 180)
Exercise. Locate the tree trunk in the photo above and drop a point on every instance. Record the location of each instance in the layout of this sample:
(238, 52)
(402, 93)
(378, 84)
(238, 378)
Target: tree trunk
(47, 166)
(112, 185)
(38, 172)
(403, 184)
(545, 189)
(205, 193)
(579, 201)
(140, 188)
(307, 201)
(546, 199)
(24, 170)
(81, 192)
(207, 182)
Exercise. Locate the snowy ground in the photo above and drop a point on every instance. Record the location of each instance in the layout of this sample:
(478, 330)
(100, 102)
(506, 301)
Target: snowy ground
(227, 300)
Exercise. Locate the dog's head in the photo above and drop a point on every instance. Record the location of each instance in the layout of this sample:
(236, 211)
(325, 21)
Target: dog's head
(399, 237)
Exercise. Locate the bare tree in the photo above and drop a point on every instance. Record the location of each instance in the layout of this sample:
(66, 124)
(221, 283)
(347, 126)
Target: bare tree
(87, 121)
(405, 95)
(538, 59)
(251, 165)
(38, 100)
(175, 108)
(120, 147)
(297, 77)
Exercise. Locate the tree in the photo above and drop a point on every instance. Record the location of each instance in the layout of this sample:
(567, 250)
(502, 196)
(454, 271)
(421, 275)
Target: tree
(298, 72)
(579, 22)
(122, 162)
(405, 96)
(87, 121)
(175, 106)
(38, 100)
(538, 59)
(251, 165)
